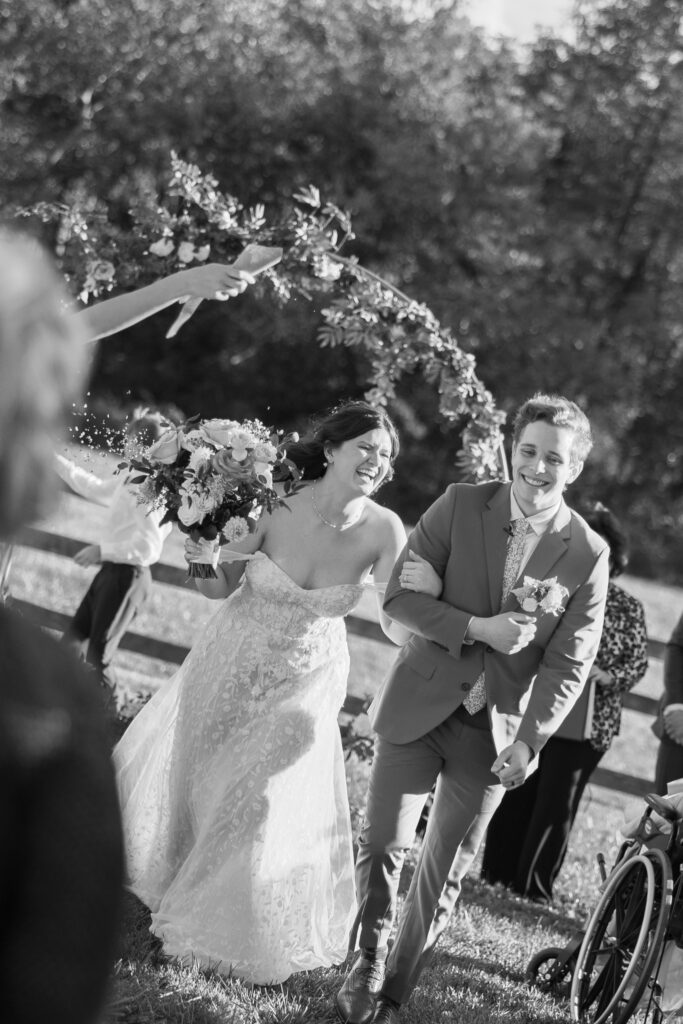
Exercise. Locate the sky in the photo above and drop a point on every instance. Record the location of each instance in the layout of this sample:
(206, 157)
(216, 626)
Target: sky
(520, 18)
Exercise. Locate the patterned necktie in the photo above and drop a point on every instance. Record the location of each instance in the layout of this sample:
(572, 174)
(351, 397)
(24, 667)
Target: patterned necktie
(476, 698)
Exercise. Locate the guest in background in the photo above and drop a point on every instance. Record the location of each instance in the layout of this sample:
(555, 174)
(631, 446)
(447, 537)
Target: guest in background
(61, 860)
(668, 726)
(132, 540)
(527, 839)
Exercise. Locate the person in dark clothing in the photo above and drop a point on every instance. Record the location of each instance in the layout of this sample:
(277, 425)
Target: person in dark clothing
(668, 726)
(61, 855)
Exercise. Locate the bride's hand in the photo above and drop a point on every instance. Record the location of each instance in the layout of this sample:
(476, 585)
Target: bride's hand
(418, 575)
(216, 281)
(205, 551)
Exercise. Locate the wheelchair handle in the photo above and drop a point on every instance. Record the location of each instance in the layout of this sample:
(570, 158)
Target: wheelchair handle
(662, 807)
(602, 867)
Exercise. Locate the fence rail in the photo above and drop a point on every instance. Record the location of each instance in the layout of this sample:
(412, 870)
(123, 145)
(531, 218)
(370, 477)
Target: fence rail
(164, 650)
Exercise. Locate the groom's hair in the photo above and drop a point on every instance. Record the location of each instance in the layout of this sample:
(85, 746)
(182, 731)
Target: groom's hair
(560, 412)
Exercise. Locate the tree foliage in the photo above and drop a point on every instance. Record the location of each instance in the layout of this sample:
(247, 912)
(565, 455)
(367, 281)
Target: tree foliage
(531, 201)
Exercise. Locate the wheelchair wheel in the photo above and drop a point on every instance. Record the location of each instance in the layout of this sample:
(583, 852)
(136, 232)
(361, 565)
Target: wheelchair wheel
(623, 943)
(551, 972)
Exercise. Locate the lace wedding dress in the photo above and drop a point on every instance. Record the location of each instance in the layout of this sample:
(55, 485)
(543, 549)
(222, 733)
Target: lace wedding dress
(233, 790)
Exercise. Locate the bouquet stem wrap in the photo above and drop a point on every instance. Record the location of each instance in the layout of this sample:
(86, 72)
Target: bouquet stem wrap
(201, 571)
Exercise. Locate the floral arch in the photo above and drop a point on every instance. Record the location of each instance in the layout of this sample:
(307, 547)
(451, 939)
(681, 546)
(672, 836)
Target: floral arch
(196, 220)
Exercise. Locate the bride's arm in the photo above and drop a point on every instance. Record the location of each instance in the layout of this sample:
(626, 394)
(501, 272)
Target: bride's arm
(393, 541)
(209, 281)
(416, 574)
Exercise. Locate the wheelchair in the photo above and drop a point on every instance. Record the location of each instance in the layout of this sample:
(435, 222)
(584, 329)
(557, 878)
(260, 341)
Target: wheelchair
(611, 971)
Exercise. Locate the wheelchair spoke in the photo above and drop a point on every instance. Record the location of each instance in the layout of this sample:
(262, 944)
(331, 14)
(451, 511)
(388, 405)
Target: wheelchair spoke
(618, 960)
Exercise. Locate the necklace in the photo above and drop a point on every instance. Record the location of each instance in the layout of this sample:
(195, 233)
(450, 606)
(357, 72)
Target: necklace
(321, 517)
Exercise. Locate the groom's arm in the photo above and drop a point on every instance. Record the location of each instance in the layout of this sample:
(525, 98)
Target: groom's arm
(567, 659)
(423, 614)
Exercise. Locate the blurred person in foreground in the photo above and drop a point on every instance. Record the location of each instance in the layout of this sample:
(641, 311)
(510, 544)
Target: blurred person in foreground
(528, 836)
(668, 726)
(61, 861)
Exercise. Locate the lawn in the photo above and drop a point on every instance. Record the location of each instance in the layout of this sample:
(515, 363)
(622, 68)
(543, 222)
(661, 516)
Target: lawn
(478, 972)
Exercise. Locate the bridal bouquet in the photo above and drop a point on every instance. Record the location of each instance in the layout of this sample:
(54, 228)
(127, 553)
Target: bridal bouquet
(214, 478)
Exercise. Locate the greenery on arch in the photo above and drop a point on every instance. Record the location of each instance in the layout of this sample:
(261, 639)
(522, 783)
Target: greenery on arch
(196, 221)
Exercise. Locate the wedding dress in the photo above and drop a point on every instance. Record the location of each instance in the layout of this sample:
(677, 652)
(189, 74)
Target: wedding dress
(233, 790)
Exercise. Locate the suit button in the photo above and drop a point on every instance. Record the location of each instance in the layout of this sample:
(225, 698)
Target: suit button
(489, 650)
(466, 686)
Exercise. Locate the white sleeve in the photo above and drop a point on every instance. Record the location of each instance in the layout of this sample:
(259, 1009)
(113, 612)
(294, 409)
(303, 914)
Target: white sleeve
(88, 485)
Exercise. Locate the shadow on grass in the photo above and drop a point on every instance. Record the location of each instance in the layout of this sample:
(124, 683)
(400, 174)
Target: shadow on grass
(507, 904)
(454, 993)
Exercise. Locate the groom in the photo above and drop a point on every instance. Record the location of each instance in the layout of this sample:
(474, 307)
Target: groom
(476, 692)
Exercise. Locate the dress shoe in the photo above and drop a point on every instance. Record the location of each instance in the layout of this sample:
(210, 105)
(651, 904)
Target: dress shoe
(387, 1013)
(357, 997)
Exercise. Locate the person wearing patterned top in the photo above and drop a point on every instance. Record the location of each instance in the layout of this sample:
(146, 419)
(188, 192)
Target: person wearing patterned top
(529, 859)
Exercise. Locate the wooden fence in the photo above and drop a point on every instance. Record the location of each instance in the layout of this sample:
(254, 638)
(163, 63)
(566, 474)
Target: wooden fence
(164, 650)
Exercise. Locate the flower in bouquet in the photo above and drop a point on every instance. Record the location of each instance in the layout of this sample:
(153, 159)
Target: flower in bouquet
(213, 477)
(541, 595)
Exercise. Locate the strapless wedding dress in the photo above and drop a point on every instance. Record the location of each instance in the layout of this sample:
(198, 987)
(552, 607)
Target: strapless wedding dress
(233, 790)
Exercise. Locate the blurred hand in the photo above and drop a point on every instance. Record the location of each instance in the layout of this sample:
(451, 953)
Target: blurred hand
(673, 724)
(602, 678)
(417, 574)
(89, 555)
(511, 764)
(205, 551)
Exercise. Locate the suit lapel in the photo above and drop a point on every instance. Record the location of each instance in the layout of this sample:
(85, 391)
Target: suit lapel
(550, 548)
(495, 519)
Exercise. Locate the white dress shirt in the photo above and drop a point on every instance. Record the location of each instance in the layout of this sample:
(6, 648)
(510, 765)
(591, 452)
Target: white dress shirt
(539, 523)
(132, 534)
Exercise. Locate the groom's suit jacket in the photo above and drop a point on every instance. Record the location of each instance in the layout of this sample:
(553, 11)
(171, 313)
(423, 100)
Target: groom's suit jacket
(463, 536)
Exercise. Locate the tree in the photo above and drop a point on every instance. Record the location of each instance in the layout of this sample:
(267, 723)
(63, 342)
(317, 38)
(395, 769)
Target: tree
(531, 202)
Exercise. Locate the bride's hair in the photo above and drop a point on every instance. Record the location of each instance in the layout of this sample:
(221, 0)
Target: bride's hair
(343, 423)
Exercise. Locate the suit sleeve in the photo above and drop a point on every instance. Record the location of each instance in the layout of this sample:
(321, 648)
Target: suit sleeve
(567, 659)
(422, 614)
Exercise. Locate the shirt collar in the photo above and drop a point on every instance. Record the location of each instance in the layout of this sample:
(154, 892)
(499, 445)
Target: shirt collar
(539, 521)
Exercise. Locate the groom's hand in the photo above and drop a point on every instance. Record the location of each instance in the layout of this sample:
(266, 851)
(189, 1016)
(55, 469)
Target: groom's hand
(507, 633)
(511, 764)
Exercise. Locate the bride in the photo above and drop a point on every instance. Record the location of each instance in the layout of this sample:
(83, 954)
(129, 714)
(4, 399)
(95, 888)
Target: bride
(232, 777)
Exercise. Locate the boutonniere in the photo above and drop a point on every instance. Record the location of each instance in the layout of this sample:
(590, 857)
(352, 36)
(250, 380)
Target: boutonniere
(541, 595)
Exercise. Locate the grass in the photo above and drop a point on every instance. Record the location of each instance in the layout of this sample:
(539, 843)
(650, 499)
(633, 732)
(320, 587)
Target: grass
(478, 972)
